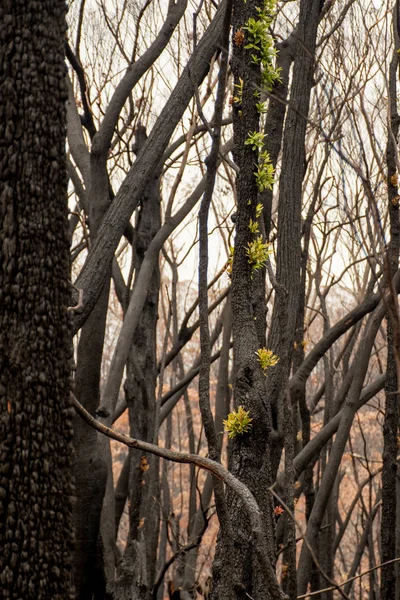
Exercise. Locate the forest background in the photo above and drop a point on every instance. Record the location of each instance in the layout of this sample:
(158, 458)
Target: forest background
(233, 231)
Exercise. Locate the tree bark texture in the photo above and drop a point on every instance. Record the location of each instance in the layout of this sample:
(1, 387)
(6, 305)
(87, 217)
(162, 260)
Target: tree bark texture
(35, 340)
(137, 571)
(248, 451)
(288, 258)
(89, 466)
(391, 422)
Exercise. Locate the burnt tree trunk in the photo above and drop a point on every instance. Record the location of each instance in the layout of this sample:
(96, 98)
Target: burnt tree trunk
(288, 256)
(137, 571)
(391, 423)
(35, 339)
(249, 455)
(90, 467)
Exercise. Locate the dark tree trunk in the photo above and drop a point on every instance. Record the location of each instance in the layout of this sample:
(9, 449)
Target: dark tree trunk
(391, 423)
(89, 467)
(249, 452)
(275, 118)
(286, 303)
(137, 571)
(198, 524)
(35, 340)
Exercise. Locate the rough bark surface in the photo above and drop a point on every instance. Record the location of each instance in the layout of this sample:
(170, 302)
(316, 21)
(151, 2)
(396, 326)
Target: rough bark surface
(137, 570)
(391, 422)
(35, 341)
(248, 452)
(288, 259)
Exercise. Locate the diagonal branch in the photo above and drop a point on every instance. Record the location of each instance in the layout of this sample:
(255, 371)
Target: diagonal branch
(94, 272)
(134, 72)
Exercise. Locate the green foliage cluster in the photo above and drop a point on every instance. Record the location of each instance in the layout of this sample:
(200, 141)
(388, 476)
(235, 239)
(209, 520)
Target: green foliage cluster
(253, 226)
(258, 252)
(261, 43)
(265, 172)
(266, 358)
(238, 422)
(255, 139)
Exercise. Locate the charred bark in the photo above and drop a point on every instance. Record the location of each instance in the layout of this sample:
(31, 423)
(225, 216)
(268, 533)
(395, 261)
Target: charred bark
(137, 570)
(35, 337)
(392, 421)
(249, 455)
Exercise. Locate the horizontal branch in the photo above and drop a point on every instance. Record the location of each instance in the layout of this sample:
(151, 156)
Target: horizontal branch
(249, 502)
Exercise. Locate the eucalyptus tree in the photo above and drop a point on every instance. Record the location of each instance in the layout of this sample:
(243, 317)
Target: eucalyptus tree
(36, 354)
(306, 272)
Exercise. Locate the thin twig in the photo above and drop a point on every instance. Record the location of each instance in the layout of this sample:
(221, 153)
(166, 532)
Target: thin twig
(332, 588)
(335, 586)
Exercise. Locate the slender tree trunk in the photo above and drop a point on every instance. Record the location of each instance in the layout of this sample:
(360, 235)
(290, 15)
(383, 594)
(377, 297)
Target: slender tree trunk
(226, 574)
(391, 423)
(286, 303)
(137, 570)
(249, 456)
(93, 573)
(89, 467)
(35, 340)
(197, 528)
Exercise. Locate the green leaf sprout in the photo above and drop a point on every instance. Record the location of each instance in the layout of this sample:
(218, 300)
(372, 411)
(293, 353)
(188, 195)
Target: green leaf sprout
(255, 139)
(237, 98)
(261, 41)
(253, 226)
(265, 172)
(257, 253)
(238, 422)
(259, 209)
(266, 358)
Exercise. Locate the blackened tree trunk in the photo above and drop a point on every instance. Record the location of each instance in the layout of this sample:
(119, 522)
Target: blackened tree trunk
(89, 467)
(35, 341)
(275, 118)
(288, 258)
(91, 575)
(137, 571)
(391, 423)
(249, 454)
